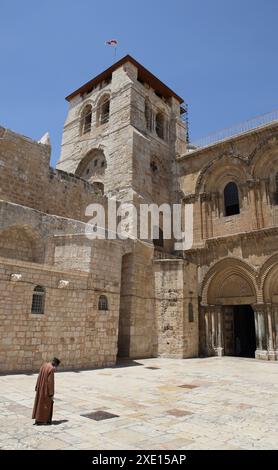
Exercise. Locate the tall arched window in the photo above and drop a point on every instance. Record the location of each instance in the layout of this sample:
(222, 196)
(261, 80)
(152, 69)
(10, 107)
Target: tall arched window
(38, 300)
(159, 125)
(103, 302)
(86, 119)
(231, 199)
(103, 110)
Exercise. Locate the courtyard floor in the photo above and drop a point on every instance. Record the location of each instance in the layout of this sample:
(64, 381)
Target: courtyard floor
(211, 403)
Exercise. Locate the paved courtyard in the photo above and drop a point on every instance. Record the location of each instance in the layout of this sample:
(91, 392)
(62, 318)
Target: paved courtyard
(212, 403)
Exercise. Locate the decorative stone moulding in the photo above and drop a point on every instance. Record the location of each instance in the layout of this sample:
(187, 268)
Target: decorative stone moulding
(16, 277)
(63, 284)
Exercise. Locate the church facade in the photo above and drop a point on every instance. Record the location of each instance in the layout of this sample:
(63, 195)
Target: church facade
(90, 301)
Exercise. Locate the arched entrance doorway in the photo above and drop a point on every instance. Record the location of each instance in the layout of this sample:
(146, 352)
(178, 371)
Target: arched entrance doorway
(230, 323)
(239, 331)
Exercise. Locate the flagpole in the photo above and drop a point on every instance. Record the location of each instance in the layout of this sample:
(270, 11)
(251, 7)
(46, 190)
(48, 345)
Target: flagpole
(114, 43)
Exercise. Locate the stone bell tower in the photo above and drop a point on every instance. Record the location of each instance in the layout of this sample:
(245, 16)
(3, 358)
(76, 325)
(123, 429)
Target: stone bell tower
(122, 133)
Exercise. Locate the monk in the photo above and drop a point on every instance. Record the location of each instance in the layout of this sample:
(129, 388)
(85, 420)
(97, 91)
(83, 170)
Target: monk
(43, 406)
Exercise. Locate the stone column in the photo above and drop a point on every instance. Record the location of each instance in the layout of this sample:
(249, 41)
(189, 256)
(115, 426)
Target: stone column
(208, 330)
(217, 330)
(251, 185)
(275, 328)
(206, 214)
(270, 332)
(214, 330)
(261, 336)
(219, 347)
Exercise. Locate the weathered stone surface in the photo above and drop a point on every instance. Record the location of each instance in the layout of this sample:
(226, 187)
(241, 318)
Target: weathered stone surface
(236, 254)
(124, 140)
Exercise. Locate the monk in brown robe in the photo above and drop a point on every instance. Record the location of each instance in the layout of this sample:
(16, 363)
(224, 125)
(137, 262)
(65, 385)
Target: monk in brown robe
(43, 406)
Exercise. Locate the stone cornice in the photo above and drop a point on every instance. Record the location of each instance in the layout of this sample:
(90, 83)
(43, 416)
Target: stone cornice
(216, 241)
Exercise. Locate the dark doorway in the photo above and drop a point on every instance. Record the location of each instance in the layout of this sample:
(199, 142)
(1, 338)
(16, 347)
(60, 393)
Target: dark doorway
(244, 331)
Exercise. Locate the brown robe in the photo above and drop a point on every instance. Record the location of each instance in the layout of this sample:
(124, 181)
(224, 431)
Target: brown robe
(43, 406)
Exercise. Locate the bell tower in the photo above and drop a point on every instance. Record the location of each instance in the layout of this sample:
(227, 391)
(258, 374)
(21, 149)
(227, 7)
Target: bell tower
(122, 133)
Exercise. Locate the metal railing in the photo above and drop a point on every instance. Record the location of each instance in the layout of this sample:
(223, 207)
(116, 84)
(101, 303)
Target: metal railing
(254, 123)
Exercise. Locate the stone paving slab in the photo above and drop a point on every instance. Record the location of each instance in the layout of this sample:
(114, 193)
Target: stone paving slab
(233, 404)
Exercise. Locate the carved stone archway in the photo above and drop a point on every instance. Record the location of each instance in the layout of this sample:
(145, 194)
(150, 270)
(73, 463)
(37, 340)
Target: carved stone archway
(231, 283)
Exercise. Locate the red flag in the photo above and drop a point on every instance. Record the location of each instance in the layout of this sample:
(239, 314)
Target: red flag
(111, 42)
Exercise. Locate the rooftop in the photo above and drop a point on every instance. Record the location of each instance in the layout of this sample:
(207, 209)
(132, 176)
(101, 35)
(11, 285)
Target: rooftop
(255, 123)
(143, 75)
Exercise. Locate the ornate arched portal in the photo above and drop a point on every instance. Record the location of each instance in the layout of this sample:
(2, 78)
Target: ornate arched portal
(234, 323)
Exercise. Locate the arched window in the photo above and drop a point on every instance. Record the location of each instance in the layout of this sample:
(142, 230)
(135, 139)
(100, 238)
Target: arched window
(38, 300)
(86, 119)
(190, 312)
(103, 302)
(231, 199)
(148, 115)
(103, 110)
(159, 125)
(158, 237)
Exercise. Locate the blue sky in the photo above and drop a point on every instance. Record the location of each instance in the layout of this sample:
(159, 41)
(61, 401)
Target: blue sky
(219, 55)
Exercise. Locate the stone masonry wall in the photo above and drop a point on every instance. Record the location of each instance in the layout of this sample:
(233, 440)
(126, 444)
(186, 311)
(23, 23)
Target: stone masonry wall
(251, 162)
(177, 331)
(27, 179)
(71, 327)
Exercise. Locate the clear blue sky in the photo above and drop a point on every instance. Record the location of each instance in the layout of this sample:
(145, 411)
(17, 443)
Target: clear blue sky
(219, 55)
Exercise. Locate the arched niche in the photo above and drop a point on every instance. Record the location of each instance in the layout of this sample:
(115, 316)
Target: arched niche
(92, 167)
(23, 243)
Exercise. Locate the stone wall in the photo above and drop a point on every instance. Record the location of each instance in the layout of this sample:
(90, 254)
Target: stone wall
(42, 230)
(46, 250)
(27, 179)
(71, 328)
(235, 255)
(176, 308)
(248, 160)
